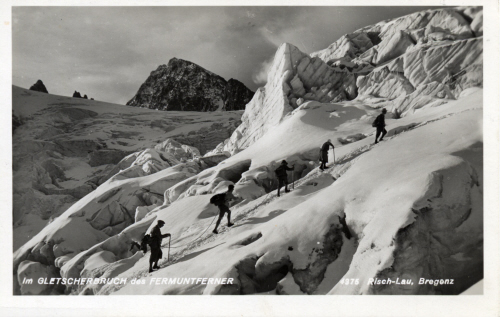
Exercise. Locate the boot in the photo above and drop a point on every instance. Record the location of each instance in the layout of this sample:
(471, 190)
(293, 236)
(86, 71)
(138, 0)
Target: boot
(215, 231)
(230, 224)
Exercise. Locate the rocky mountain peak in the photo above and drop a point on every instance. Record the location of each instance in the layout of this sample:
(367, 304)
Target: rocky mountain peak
(186, 86)
(39, 86)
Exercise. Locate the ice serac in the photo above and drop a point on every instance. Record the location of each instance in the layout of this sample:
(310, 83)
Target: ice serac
(457, 64)
(440, 20)
(422, 57)
(294, 78)
(475, 14)
(348, 47)
(150, 160)
(182, 85)
(269, 104)
(388, 49)
(388, 39)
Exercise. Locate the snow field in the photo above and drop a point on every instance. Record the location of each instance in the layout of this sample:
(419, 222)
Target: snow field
(368, 206)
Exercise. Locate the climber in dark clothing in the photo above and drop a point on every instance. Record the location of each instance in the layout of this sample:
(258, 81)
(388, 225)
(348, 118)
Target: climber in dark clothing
(155, 244)
(323, 155)
(283, 176)
(379, 123)
(224, 208)
(133, 245)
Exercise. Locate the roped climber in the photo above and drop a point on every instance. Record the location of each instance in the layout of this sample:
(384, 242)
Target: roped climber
(283, 176)
(223, 205)
(155, 244)
(323, 157)
(379, 123)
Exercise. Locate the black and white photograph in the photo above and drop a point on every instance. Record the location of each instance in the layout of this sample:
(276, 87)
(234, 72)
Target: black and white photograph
(251, 150)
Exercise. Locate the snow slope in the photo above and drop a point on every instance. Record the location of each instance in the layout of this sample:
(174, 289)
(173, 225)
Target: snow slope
(417, 212)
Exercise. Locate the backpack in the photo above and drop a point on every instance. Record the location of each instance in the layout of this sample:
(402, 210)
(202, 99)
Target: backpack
(281, 171)
(146, 240)
(375, 122)
(218, 199)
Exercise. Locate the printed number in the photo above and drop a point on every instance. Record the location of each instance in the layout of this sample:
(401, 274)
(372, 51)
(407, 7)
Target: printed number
(352, 281)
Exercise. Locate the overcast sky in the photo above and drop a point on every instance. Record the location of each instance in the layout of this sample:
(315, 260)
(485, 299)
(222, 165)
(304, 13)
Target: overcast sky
(108, 52)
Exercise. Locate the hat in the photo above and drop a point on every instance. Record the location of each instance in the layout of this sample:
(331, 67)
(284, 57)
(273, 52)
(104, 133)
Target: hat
(384, 110)
(161, 222)
(284, 162)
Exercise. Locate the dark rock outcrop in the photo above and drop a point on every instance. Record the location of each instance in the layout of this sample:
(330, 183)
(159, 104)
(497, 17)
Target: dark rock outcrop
(185, 86)
(39, 86)
(77, 94)
(237, 95)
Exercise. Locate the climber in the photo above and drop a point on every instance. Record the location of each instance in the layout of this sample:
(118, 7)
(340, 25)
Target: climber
(143, 245)
(379, 123)
(223, 204)
(155, 244)
(323, 153)
(134, 245)
(283, 176)
(345, 228)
